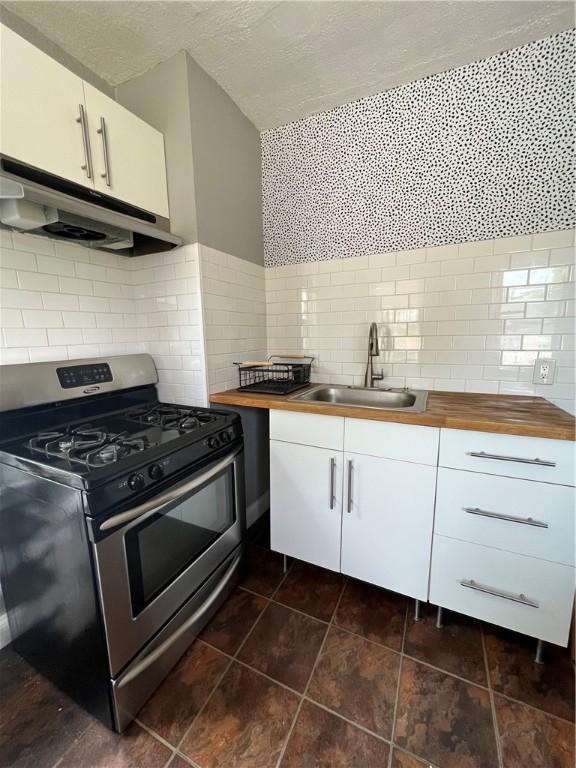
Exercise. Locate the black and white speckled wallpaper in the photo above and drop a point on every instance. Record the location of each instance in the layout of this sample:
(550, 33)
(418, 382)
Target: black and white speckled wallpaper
(479, 152)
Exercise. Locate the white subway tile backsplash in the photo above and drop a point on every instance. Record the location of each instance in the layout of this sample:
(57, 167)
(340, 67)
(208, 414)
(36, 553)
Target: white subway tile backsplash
(40, 318)
(26, 242)
(75, 286)
(64, 336)
(11, 259)
(11, 318)
(513, 244)
(8, 278)
(472, 317)
(559, 239)
(60, 301)
(483, 314)
(94, 272)
(18, 299)
(79, 320)
(23, 337)
(35, 281)
(51, 266)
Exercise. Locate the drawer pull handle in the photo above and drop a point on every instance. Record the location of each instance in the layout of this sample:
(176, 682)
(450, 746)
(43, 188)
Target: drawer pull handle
(521, 598)
(508, 518)
(483, 455)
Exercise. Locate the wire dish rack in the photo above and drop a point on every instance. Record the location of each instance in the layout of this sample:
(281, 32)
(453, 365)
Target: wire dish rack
(279, 375)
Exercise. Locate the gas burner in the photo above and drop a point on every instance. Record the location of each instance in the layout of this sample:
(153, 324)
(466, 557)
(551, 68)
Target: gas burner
(88, 445)
(117, 447)
(64, 443)
(171, 417)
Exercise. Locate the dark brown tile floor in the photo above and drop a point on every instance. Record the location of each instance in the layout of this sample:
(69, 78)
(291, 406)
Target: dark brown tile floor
(310, 670)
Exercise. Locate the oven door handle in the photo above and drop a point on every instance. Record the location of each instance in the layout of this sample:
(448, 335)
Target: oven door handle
(158, 503)
(154, 655)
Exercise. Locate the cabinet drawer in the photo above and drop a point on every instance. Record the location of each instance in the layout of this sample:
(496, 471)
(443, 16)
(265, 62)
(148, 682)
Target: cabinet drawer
(532, 458)
(307, 429)
(403, 442)
(472, 507)
(502, 582)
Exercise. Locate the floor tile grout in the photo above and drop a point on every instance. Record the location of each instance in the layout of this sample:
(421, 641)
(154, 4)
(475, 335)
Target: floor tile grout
(203, 707)
(416, 659)
(492, 704)
(397, 698)
(340, 716)
(304, 694)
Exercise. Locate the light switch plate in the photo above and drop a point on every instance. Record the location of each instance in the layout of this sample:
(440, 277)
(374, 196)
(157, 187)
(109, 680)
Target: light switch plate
(544, 370)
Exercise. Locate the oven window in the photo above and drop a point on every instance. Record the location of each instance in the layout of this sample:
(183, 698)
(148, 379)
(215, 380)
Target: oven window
(167, 543)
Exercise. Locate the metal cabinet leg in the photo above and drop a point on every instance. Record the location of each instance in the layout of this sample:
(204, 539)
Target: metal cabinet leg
(417, 610)
(439, 617)
(539, 658)
(285, 563)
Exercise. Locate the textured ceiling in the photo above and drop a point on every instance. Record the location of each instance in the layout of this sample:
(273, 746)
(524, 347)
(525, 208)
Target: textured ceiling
(281, 61)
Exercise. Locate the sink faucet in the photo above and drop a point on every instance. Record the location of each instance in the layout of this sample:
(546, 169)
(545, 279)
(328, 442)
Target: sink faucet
(373, 351)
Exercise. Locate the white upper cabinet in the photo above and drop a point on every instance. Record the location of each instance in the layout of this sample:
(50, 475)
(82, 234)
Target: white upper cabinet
(128, 154)
(54, 121)
(40, 102)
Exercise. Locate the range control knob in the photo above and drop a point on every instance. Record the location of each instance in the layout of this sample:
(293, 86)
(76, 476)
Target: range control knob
(225, 437)
(136, 482)
(155, 472)
(213, 442)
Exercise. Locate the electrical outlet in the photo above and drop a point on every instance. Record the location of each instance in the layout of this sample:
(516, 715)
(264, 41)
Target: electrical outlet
(544, 370)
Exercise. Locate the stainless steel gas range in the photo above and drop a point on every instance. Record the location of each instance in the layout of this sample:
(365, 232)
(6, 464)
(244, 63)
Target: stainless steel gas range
(121, 525)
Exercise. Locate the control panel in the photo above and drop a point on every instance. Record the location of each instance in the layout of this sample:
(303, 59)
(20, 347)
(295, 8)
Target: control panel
(83, 375)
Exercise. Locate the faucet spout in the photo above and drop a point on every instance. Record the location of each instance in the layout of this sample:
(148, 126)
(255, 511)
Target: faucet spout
(373, 351)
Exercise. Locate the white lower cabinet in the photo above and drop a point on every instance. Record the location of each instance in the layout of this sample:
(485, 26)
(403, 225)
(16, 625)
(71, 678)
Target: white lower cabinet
(531, 596)
(306, 502)
(484, 526)
(387, 523)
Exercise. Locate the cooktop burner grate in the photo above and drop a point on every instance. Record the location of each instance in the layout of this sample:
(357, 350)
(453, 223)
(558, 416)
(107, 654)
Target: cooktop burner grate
(171, 417)
(93, 447)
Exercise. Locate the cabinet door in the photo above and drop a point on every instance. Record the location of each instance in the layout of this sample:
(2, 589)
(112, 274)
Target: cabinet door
(40, 107)
(128, 154)
(306, 502)
(387, 523)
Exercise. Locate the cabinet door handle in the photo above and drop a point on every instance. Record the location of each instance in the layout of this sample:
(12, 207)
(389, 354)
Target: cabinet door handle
(350, 471)
(521, 598)
(520, 460)
(332, 472)
(102, 132)
(508, 518)
(85, 141)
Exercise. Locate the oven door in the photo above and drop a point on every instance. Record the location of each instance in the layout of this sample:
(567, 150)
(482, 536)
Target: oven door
(153, 557)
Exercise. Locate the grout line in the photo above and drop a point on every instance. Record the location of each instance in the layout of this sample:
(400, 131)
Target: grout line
(534, 709)
(76, 740)
(305, 694)
(302, 699)
(397, 698)
(492, 704)
(203, 707)
(348, 720)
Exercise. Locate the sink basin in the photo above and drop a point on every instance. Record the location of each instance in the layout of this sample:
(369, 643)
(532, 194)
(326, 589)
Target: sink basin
(362, 397)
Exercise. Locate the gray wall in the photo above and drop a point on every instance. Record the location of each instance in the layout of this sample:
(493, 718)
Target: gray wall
(160, 96)
(30, 33)
(212, 156)
(227, 169)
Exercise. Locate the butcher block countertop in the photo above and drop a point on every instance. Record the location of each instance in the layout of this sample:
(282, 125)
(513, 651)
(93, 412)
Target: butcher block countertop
(507, 414)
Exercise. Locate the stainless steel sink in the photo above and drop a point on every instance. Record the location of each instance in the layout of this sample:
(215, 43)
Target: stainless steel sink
(362, 397)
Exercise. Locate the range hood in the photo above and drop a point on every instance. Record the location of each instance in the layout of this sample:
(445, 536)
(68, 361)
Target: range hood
(42, 204)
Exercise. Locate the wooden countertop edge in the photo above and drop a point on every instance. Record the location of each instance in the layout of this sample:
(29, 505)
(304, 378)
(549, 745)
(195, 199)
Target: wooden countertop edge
(470, 422)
